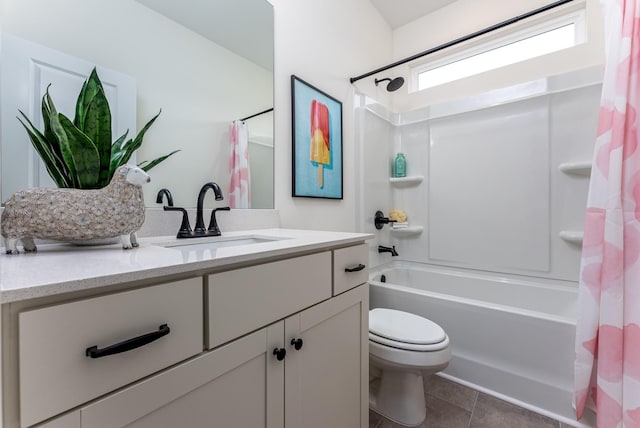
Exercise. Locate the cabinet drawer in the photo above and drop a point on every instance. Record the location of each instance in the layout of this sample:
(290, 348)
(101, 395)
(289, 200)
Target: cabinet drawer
(246, 299)
(348, 270)
(55, 372)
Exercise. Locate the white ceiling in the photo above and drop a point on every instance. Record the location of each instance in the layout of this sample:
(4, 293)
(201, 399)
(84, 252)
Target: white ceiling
(400, 12)
(244, 27)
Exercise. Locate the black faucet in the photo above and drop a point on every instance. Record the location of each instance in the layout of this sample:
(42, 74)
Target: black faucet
(392, 250)
(199, 231)
(213, 229)
(167, 193)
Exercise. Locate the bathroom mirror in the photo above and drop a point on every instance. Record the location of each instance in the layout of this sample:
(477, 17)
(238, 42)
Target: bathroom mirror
(204, 63)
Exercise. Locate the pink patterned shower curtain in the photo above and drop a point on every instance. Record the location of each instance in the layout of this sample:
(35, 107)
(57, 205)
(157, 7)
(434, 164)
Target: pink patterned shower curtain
(607, 366)
(239, 191)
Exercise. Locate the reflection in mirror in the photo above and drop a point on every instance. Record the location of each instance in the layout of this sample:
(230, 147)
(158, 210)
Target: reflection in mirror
(202, 80)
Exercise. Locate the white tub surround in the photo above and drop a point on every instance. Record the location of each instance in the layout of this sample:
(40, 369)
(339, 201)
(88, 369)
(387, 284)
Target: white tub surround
(511, 160)
(511, 336)
(177, 330)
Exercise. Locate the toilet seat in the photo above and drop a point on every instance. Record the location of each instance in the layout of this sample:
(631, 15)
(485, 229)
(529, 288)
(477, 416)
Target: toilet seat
(409, 346)
(403, 330)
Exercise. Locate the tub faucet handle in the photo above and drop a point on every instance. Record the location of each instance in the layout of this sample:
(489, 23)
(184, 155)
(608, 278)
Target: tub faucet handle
(380, 220)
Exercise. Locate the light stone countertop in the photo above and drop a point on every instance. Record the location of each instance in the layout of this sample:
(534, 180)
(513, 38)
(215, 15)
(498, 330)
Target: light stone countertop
(64, 268)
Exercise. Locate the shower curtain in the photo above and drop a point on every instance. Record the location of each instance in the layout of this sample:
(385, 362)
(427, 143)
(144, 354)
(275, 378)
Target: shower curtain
(607, 366)
(239, 191)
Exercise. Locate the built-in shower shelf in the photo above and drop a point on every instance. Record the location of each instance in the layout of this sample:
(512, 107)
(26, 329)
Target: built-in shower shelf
(407, 231)
(572, 236)
(576, 168)
(408, 180)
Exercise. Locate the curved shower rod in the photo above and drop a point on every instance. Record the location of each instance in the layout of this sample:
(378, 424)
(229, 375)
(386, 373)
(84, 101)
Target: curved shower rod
(463, 38)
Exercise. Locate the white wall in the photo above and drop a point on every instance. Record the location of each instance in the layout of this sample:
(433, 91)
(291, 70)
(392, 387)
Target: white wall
(324, 43)
(200, 86)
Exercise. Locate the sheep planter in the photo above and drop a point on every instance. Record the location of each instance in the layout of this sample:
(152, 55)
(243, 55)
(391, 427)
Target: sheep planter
(77, 215)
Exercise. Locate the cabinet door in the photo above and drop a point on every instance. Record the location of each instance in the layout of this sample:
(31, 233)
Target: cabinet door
(237, 385)
(326, 380)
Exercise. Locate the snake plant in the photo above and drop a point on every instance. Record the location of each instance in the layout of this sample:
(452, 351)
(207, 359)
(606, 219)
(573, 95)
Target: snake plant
(81, 154)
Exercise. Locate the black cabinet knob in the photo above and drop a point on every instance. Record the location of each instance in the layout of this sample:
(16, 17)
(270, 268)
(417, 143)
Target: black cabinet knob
(280, 353)
(297, 343)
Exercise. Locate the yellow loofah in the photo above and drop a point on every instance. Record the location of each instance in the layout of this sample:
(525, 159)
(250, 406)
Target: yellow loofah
(398, 215)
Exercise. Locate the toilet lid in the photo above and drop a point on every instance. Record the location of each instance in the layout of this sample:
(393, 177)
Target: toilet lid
(404, 327)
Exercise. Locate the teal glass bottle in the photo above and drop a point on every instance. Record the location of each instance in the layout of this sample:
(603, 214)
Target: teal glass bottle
(400, 166)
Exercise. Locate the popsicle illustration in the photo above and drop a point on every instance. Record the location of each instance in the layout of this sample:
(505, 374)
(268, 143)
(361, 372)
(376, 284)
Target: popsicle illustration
(320, 142)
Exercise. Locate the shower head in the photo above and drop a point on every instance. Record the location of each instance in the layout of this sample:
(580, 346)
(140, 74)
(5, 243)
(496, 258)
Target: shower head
(393, 85)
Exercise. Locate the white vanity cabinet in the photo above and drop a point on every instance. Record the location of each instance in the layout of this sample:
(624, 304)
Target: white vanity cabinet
(278, 345)
(243, 383)
(327, 379)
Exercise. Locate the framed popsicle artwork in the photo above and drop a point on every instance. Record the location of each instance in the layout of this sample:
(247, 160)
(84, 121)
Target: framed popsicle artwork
(317, 142)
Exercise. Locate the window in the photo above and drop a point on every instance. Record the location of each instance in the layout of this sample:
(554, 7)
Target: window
(561, 33)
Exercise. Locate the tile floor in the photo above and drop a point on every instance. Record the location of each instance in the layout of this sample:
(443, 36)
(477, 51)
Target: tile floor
(451, 405)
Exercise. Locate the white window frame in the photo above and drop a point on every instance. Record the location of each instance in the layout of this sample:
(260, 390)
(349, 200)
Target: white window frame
(502, 37)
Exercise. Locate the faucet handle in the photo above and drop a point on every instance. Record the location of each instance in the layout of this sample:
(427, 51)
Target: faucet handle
(213, 224)
(185, 227)
(380, 220)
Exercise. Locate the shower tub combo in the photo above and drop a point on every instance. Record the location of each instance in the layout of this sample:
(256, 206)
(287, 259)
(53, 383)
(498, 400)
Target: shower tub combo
(511, 336)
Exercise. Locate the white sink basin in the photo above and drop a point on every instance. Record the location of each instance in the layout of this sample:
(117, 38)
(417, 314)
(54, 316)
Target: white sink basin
(218, 242)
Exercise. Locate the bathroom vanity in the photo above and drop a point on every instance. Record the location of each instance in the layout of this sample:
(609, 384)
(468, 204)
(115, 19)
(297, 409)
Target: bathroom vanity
(262, 328)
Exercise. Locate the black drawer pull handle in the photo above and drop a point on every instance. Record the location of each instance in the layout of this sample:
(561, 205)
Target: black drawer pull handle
(297, 343)
(355, 269)
(280, 353)
(129, 344)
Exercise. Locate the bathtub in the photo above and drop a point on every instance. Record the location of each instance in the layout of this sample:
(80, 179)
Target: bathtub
(511, 336)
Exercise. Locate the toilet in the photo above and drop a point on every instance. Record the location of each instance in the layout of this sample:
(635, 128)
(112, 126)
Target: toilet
(402, 348)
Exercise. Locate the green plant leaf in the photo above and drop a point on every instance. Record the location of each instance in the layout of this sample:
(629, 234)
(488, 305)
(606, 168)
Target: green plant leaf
(97, 126)
(93, 118)
(62, 141)
(117, 153)
(116, 160)
(116, 146)
(155, 162)
(45, 116)
(89, 90)
(47, 105)
(78, 119)
(43, 148)
(84, 153)
(132, 145)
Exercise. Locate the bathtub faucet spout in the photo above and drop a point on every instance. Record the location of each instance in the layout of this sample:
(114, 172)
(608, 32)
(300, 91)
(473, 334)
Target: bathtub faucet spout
(392, 250)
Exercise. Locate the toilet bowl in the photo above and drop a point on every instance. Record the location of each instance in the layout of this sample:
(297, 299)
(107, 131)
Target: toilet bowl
(402, 348)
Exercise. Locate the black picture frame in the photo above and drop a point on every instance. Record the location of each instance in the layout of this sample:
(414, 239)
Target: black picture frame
(317, 146)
